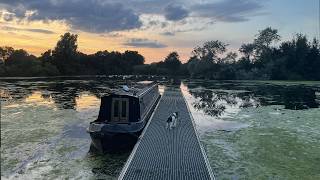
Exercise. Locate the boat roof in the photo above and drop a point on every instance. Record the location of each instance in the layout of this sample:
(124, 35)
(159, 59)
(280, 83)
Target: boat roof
(134, 89)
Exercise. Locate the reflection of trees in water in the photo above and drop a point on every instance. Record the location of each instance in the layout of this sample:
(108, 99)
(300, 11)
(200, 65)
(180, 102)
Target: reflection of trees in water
(299, 98)
(63, 93)
(293, 97)
(64, 96)
(248, 100)
(208, 102)
(214, 103)
(15, 93)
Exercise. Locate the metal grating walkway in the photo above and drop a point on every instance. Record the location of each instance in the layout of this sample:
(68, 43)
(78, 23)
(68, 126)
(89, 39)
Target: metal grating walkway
(168, 154)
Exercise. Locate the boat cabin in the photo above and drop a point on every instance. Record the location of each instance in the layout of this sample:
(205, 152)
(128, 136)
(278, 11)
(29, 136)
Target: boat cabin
(128, 105)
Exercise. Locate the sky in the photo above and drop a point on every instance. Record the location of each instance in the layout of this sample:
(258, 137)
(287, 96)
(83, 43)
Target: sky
(154, 28)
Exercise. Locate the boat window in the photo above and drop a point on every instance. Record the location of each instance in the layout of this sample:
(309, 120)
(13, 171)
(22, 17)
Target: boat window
(124, 109)
(120, 110)
(116, 108)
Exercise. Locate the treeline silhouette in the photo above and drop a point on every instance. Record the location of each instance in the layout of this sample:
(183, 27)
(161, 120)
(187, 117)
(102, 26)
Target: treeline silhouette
(296, 59)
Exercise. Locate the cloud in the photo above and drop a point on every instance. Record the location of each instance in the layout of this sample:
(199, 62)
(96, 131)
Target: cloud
(140, 42)
(174, 32)
(168, 33)
(6, 16)
(43, 31)
(157, 23)
(228, 10)
(100, 16)
(175, 12)
(87, 15)
(112, 34)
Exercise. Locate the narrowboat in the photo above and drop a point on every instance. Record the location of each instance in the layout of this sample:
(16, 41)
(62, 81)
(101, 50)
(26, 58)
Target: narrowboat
(123, 115)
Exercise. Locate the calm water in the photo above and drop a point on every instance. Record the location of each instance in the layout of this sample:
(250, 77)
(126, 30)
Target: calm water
(250, 130)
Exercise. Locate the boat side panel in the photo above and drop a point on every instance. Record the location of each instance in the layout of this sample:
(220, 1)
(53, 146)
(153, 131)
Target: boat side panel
(134, 109)
(147, 100)
(104, 112)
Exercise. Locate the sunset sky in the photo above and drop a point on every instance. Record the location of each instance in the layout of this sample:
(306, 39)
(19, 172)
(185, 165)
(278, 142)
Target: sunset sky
(152, 27)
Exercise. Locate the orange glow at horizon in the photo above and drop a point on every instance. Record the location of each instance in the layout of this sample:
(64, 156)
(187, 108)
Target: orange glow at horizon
(18, 35)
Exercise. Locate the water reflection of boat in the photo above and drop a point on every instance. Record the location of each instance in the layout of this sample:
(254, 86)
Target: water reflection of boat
(122, 117)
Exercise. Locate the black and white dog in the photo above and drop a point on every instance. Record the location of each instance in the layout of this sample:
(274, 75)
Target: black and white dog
(172, 120)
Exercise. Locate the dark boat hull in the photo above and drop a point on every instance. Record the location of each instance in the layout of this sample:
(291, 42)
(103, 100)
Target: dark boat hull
(114, 142)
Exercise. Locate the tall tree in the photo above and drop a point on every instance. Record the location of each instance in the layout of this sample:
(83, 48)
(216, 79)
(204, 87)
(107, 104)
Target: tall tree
(65, 52)
(5, 53)
(172, 62)
(46, 56)
(230, 58)
(131, 59)
(247, 50)
(313, 61)
(19, 57)
(210, 50)
(266, 37)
